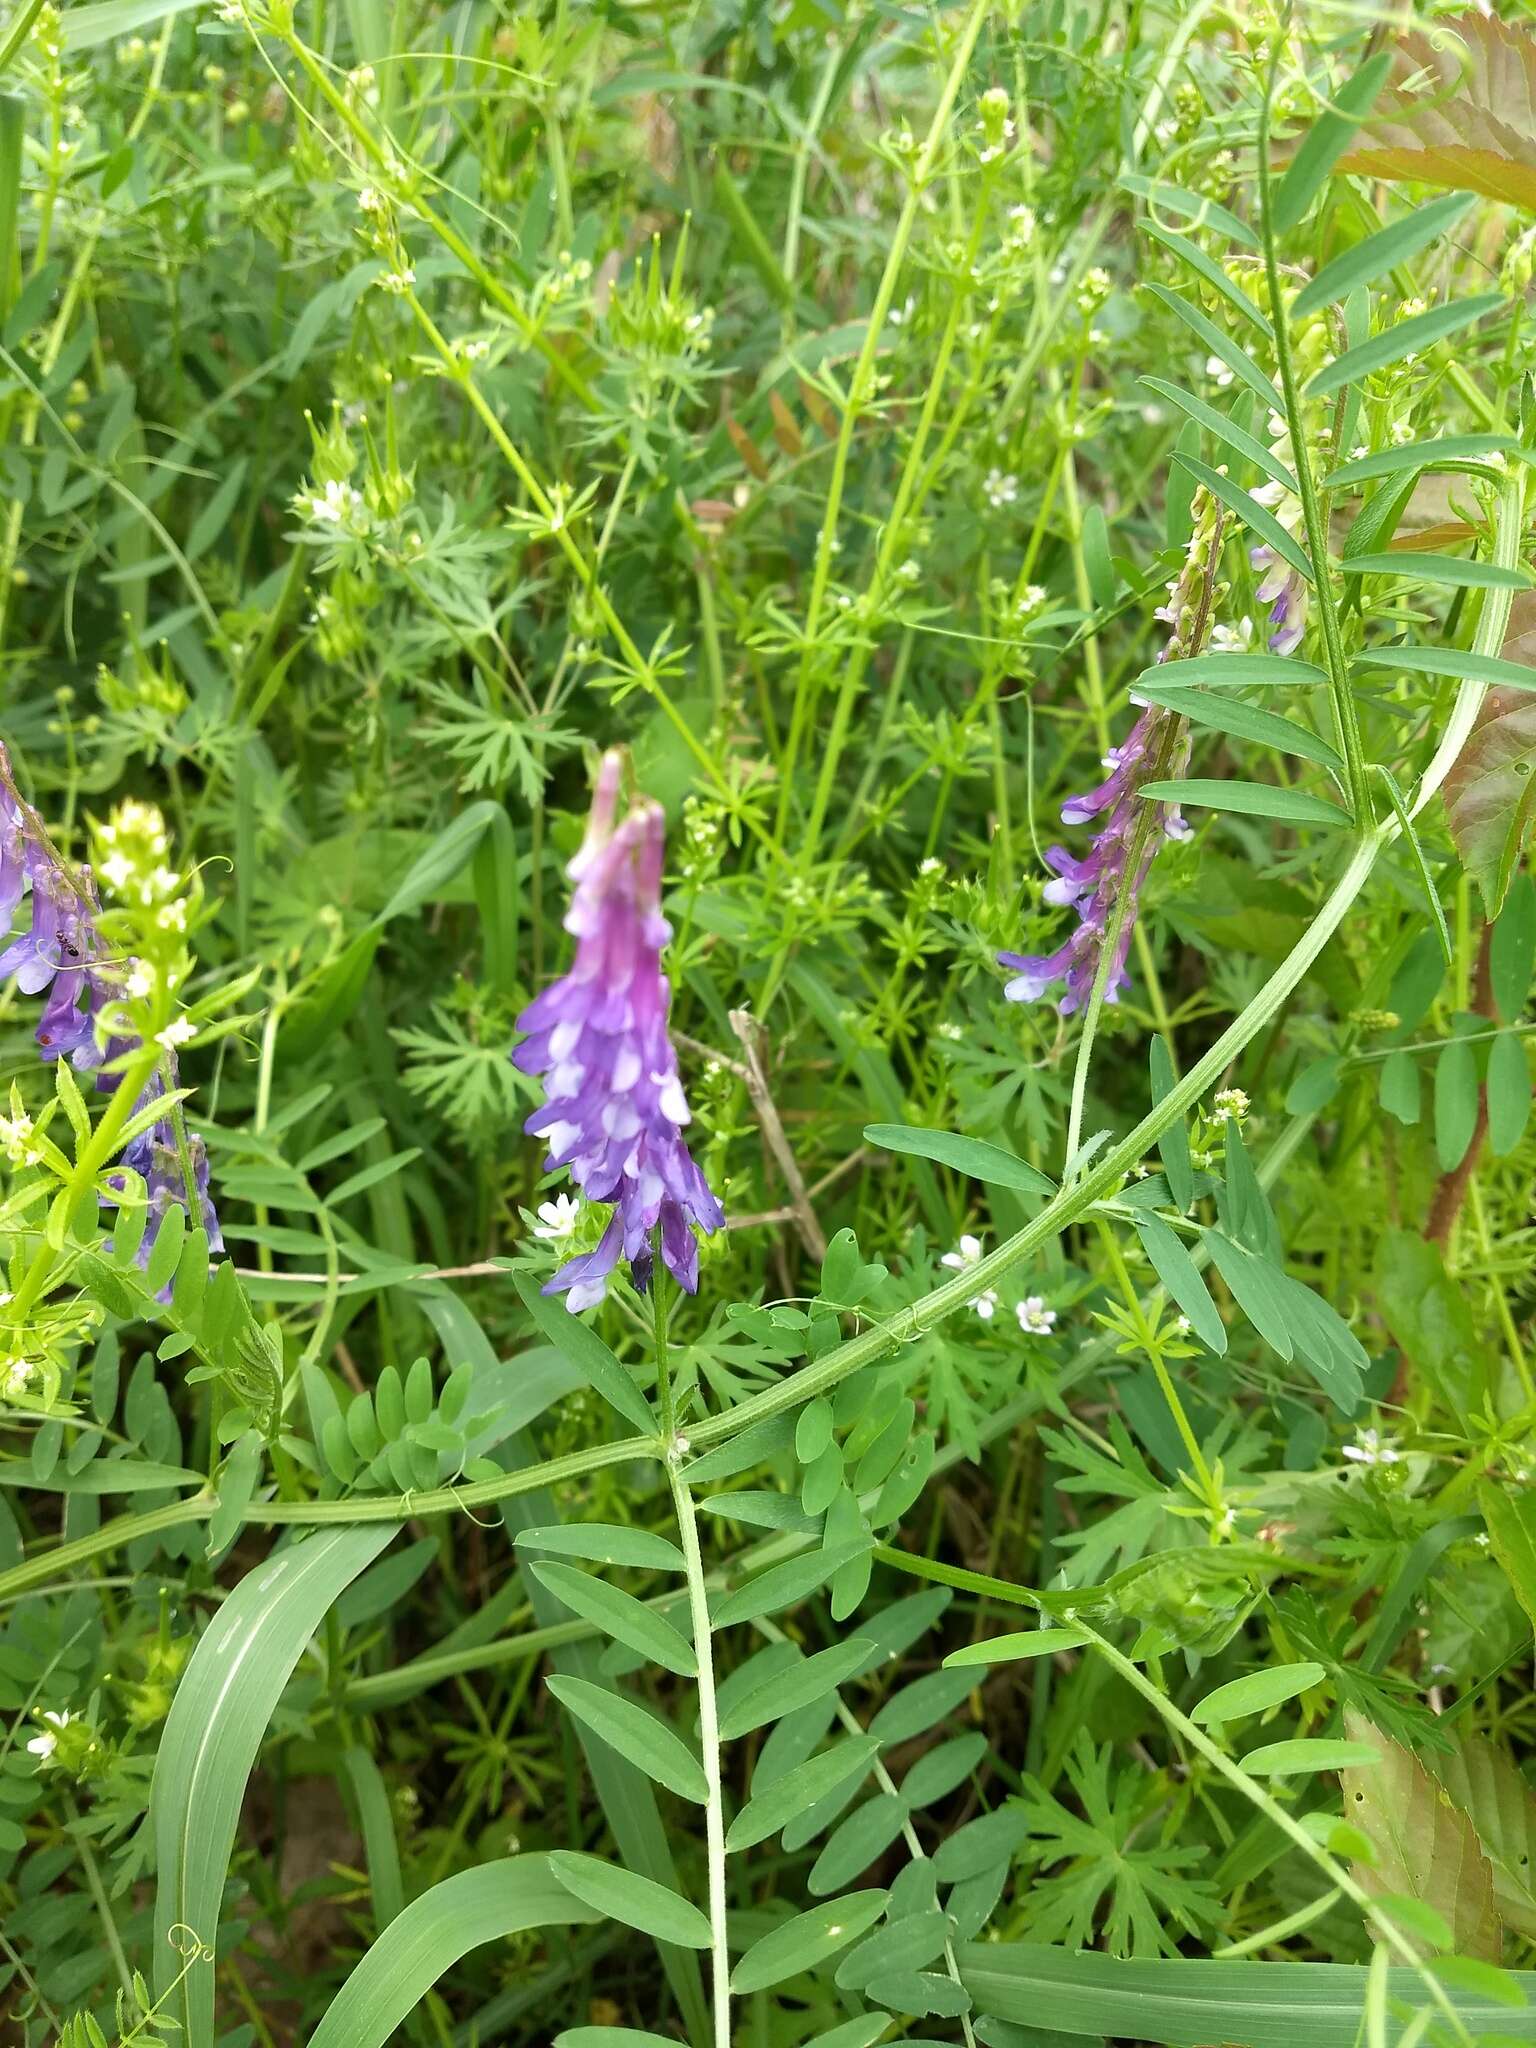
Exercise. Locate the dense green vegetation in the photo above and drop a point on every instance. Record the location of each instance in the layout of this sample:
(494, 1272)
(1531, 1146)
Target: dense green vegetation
(971, 1483)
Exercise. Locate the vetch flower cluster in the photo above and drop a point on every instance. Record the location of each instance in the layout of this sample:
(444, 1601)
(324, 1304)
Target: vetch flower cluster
(1104, 885)
(616, 1110)
(62, 951)
(1282, 587)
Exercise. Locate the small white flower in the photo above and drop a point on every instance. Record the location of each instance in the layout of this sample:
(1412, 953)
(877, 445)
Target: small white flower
(1035, 1319)
(43, 1746)
(966, 1255)
(1218, 372)
(16, 1139)
(1233, 639)
(1230, 1102)
(558, 1219)
(177, 1032)
(338, 504)
(15, 1376)
(1000, 488)
(1371, 1448)
(930, 866)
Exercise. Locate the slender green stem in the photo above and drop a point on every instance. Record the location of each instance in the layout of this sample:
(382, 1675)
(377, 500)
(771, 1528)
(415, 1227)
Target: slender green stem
(709, 1743)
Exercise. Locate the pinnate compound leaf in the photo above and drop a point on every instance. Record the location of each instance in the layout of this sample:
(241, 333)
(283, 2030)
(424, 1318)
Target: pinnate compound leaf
(1459, 113)
(1425, 1849)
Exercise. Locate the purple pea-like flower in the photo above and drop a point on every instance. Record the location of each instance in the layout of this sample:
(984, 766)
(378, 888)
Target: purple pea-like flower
(61, 952)
(1104, 885)
(615, 1107)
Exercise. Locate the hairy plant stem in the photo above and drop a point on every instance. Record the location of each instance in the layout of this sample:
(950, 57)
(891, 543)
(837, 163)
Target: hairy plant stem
(698, 1614)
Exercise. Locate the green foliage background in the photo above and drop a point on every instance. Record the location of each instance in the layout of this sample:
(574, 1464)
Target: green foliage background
(402, 403)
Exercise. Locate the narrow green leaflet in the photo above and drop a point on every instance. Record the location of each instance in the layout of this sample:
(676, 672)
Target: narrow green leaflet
(1509, 1093)
(1268, 671)
(1326, 141)
(1173, 1145)
(620, 1615)
(636, 1733)
(1251, 799)
(1380, 252)
(1257, 1290)
(1023, 1643)
(806, 1940)
(1448, 451)
(621, 1894)
(1221, 346)
(799, 1789)
(974, 1157)
(1181, 1276)
(588, 1353)
(1233, 437)
(1460, 662)
(1189, 252)
(786, 1692)
(1403, 338)
(1250, 511)
(213, 1732)
(1256, 1693)
(784, 1585)
(1304, 1755)
(425, 1941)
(1200, 212)
(1246, 722)
(1449, 570)
(605, 1543)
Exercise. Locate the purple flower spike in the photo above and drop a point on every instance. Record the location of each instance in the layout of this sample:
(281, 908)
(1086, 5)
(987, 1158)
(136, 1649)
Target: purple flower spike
(1104, 885)
(615, 1107)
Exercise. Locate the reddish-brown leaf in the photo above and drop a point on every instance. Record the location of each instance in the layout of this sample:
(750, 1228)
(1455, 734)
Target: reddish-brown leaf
(1490, 792)
(1460, 112)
